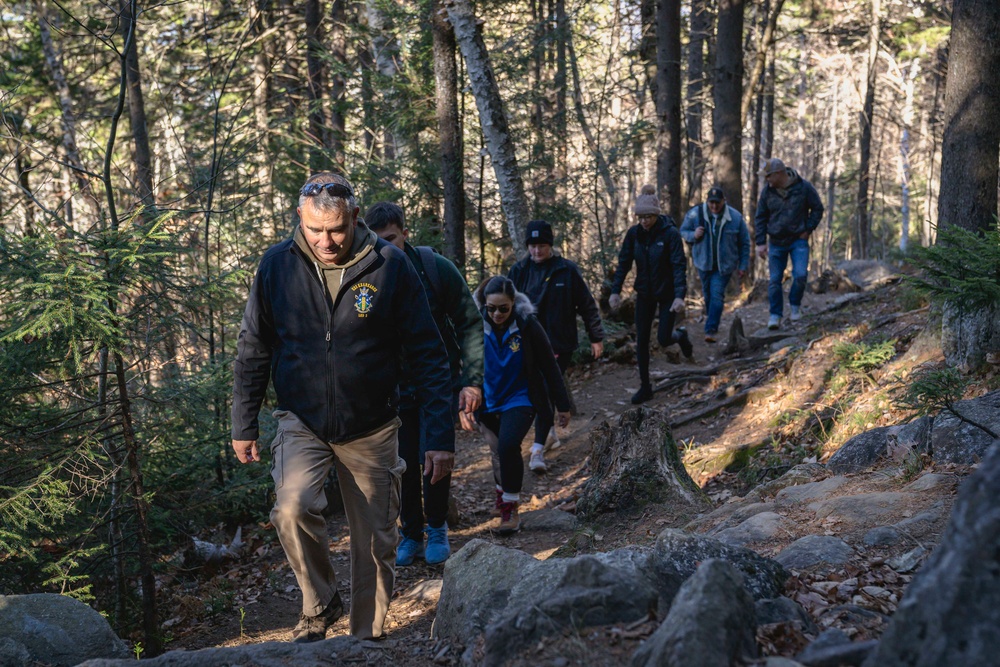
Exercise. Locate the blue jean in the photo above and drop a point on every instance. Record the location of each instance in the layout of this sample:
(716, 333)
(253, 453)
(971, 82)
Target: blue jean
(713, 285)
(777, 260)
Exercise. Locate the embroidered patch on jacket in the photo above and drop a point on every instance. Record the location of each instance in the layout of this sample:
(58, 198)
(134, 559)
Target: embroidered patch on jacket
(514, 344)
(364, 298)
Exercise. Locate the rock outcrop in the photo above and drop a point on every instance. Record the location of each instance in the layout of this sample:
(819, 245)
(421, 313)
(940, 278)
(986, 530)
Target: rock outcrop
(54, 630)
(329, 653)
(950, 614)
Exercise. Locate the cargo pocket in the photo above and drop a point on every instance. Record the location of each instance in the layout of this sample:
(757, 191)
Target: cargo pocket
(395, 489)
(277, 471)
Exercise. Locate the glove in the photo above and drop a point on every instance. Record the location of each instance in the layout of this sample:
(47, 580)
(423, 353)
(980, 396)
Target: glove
(677, 306)
(615, 300)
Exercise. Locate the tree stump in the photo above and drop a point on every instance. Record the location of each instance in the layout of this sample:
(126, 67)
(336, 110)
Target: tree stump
(634, 463)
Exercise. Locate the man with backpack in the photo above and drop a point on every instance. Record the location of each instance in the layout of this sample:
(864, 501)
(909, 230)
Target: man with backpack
(461, 327)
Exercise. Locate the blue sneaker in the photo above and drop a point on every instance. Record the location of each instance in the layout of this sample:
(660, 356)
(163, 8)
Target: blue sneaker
(438, 548)
(408, 550)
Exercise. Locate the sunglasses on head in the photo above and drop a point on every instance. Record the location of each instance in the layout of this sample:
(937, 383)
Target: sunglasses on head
(338, 190)
(503, 310)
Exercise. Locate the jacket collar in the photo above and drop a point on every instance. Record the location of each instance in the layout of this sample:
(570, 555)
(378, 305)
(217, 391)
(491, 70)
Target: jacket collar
(726, 216)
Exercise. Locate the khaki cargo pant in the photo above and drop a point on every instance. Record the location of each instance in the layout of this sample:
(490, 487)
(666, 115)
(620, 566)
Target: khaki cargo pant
(369, 471)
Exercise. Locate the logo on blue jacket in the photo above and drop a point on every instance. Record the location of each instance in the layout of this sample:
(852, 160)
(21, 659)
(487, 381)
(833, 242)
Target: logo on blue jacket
(514, 343)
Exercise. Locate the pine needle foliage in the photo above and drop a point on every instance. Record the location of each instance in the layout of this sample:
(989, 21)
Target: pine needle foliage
(864, 357)
(962, 269)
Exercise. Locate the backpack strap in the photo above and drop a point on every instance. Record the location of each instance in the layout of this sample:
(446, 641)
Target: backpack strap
(426, 254)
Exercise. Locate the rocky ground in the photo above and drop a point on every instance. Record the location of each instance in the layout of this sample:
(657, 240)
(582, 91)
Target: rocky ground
(754, 430)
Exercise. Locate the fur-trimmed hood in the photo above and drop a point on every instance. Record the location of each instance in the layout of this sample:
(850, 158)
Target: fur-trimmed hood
(522, 304)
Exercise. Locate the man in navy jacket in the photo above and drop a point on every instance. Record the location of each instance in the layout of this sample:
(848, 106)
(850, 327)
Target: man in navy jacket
(331, 314)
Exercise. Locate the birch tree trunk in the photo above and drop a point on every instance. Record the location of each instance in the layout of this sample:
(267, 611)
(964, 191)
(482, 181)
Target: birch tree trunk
(261, 101)
(385, 55)
(668, 106)
(338, 80)
(909, 84)
(727, 95)
(493, 120)
(449, 135)
(315, 84)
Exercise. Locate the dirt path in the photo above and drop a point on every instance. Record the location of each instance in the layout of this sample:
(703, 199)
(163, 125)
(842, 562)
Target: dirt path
(789, 415)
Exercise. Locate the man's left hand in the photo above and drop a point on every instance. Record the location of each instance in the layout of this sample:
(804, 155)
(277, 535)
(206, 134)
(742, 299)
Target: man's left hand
(469, 399)
(597, 349)
(562, 419)
(438, 465)
(677, 306)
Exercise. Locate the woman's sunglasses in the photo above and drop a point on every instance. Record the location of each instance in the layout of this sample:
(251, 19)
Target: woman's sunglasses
(503, 310)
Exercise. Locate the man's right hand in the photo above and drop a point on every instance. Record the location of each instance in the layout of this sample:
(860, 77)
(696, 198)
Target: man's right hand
(762, 251)
(246, 450)
(615, 301)
(698, 233)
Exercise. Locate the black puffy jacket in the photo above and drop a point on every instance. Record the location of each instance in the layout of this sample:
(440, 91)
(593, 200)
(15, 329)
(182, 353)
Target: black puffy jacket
(660, 264)
(564, 294)
(336, 364)
(783, 216)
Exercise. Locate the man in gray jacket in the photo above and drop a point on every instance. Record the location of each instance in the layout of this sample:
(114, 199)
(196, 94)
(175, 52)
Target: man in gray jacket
(720, 246)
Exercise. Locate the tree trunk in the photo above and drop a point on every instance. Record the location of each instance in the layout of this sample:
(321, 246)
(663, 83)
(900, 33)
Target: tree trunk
(969, 150)
(385, 54)
(727, 95)
(863, 228)
(53, 61)
(668, 106)
(143, 156)
(909, 84)
(261, 102)
(338, 80)
(315, 80)
(560, 134)
(450, 135)
(695, 161)
(769, 20)
(493, 120)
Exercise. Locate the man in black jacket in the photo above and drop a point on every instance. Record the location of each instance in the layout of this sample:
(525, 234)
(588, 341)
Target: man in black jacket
(656, 247)
(331, 314)
(788, 211)
(557, 290)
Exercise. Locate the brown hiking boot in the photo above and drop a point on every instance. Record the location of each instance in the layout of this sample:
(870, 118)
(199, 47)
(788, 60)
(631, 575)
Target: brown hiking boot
(313, 628)
(509, 521)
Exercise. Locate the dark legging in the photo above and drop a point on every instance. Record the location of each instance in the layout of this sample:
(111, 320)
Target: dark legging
(545, 419)
(645, 311)
(435, 496)
(506, 430)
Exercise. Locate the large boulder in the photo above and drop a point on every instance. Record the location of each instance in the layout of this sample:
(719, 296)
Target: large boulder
(511, 599)
(329, 653)
(637, 462)
(950, 614)
(814, 551)
(867, 274)
(711, 622)
(677, 554)
(54, 630)
(955, 440)
(862, 451)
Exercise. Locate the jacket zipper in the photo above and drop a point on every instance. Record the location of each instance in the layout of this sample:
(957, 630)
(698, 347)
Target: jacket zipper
(329, 353)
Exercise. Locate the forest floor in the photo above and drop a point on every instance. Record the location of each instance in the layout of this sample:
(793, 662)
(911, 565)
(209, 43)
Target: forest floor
(774, 408)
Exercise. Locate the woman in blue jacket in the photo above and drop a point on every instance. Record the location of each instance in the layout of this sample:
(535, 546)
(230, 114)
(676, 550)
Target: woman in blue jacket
(520, 374)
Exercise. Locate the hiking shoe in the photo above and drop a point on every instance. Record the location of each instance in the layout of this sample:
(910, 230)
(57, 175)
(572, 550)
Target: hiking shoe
(773, 322)
(644, 394)
(681, 336)
(711, 336)
(313, 628)
(408, 551)
(509, 520)
(537, 462)
(496, 505)
(438, 549)
(796, 314)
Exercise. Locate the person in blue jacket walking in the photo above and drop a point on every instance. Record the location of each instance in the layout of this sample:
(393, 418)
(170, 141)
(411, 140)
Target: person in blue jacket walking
(720, 247)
